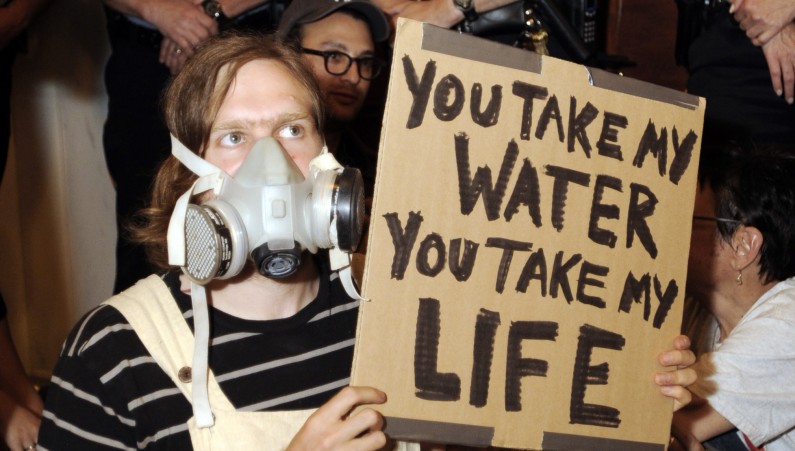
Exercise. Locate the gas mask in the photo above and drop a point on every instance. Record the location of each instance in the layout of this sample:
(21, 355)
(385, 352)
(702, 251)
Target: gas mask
(268, 213)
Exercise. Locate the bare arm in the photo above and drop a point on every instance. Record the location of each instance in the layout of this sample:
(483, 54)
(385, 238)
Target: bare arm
(182, 21)
(696, 423)
(16, 17)
(763, 19)
(20, 405)
(442, 13)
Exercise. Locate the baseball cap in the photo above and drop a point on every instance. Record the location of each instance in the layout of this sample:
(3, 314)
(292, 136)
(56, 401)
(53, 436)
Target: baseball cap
(301, 12)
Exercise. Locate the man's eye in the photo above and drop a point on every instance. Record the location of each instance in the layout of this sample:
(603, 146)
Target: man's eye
(290, 131)
(232, 139)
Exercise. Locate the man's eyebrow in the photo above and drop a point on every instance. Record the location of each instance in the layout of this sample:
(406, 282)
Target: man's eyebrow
(234, 124)
(290, 117)
(241, 124)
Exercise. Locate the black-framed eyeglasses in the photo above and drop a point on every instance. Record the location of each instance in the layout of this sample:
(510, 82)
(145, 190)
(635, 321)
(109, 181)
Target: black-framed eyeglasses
(338, 63)
(714, 219)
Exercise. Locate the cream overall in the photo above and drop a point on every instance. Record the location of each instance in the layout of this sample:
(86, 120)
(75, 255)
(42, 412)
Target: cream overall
(155, 317)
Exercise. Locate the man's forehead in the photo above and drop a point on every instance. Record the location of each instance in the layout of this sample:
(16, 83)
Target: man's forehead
(266, 84)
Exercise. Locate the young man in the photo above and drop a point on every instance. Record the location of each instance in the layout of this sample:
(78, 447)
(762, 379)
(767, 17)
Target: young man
(135, 372)
(281, 347)
(337, 40)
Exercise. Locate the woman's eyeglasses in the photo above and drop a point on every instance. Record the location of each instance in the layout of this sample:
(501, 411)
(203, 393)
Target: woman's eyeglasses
(714, 219)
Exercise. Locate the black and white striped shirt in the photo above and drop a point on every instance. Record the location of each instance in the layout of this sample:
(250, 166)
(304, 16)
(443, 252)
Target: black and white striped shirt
(108, 393)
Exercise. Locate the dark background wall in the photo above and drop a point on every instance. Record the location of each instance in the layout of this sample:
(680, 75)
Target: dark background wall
(645, 32)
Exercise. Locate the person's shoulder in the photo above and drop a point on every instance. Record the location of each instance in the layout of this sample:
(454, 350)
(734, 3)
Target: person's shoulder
(101, 331)
(769, 323)
(778, 302)
(95, 320)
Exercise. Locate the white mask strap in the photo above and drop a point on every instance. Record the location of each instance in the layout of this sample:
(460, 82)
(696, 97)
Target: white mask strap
(192, 161)
(341, 262)
(323, 162)
(200, 399)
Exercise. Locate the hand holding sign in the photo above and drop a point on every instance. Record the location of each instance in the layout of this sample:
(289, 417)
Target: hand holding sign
(673, 383)
(333, 425)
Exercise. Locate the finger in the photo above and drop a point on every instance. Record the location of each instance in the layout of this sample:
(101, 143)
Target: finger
(754, 32)
(682, 342)
(679, 394)
(169, 52)
(681, 377)
(742, 19)
(163, 53)
(765, 37)
(186, 52)
(169, 48)
(788, 80)
(363, 421)
(193, 30)
(680, 359)
(774, 66)
(349, 397)
(182, 42)
(175, 63)
(200, 34)
(735, 5)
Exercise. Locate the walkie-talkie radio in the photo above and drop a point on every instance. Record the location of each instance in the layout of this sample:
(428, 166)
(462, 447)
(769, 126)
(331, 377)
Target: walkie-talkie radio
(583, 16)
(574, 30)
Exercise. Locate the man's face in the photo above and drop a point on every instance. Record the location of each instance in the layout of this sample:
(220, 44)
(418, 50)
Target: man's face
(264, 100)
(340, 32)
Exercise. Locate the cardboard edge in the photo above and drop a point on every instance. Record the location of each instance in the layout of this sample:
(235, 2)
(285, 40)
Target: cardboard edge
(442, 40)
(441, 432)
(614, 82)
(557, 441)
(449, 42)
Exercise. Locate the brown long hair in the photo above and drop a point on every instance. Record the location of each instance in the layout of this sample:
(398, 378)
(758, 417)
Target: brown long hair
(190, 105)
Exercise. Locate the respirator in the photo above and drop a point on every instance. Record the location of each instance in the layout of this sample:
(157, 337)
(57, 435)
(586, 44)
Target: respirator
(268, 213)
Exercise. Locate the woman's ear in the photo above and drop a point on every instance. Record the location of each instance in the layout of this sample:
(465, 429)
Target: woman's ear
(746, 244)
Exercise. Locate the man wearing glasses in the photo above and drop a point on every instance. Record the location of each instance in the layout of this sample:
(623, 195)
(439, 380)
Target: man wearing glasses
(337, 39)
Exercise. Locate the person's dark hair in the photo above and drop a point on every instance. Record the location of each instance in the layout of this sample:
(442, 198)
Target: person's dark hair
(190, 105)
(294, 37)
(755, 185)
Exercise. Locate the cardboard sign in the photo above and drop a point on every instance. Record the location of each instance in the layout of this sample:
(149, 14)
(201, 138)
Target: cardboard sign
(528, 248)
